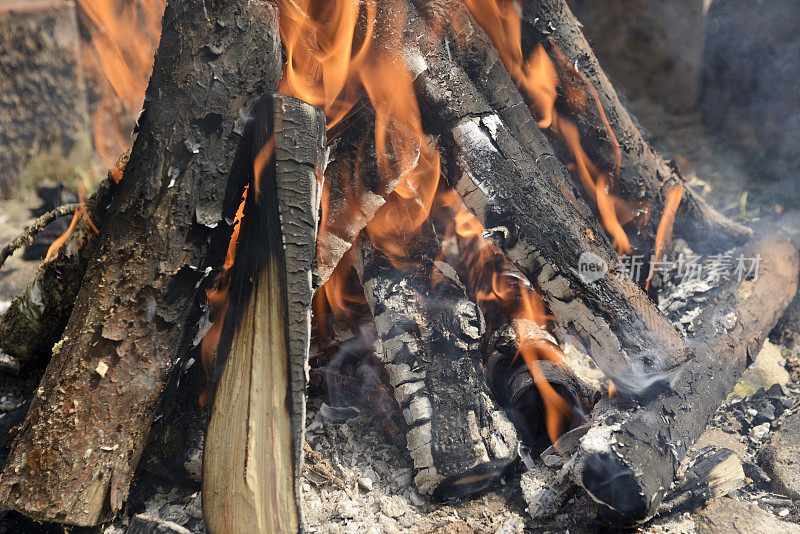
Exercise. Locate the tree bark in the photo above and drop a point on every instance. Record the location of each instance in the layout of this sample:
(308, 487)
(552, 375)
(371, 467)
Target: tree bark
(628, 459)
(36, 318)
(134, 316)
(253, 457)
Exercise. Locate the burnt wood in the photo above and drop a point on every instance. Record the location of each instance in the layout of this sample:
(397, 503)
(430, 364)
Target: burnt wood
(630, 456)
(137, 308)
(644, 175)
(528, 217)
(253, 454)
(430, 337)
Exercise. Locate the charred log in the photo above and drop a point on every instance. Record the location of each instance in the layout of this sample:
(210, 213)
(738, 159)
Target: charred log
(536, 226)
(430, 335)
(254, 447)
(629, 458)
(643, 174)
(136, 311)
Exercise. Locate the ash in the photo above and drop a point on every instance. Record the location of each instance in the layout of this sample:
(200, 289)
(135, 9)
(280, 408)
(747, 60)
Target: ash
(357, 480)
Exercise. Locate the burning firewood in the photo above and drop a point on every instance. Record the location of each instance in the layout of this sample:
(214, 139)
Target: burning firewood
(536, 226)
(137, 308)
(430, 335)
(643, 173)
(254, 447)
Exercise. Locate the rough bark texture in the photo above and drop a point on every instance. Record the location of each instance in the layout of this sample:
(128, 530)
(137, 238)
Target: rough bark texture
(535, 225)
(36, 318)
(644, 175)
(629, 458)
(76, 452)
(430, 335)
(254, 446)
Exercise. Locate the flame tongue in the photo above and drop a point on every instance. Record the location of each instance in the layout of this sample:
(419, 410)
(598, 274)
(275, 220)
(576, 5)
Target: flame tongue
(124, 35)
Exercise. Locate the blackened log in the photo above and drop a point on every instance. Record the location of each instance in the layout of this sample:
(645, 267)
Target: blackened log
(36, 318)
(430, 335)
(136, 311)
(629, 457)
(644, 175)
(254, 446)
(535, 225)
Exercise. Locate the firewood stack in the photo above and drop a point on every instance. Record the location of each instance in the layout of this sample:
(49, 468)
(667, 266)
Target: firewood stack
(476, 158)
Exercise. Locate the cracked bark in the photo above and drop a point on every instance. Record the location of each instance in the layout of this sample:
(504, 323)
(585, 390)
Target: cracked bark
(135, 313)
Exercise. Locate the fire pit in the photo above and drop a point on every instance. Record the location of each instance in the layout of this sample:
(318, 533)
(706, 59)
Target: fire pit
(436, 218)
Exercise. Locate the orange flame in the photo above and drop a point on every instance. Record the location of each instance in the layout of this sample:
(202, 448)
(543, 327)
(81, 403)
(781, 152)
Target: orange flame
(498, 282)
(217, 297)
(664, 232)
(124, 35)
(335, 55)
(537, 78)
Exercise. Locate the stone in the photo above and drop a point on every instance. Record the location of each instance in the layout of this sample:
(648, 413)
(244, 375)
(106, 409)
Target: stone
(780, 458)
(365, 483)
(43, 109)
(724, 440)
(765, 371)
(729, 515)
(390, 508)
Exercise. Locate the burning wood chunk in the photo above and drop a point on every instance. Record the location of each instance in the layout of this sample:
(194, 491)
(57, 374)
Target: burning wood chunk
(140, 298)
(254, 447)
(430, 336)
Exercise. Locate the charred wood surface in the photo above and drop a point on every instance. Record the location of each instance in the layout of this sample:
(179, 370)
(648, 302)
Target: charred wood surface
(430, 335)
(535, 225)
(134, 316)
(629, 458)
(254, 447)
(644, 174)
(36, 318)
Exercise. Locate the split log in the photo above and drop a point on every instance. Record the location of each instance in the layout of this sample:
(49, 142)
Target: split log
(628, 459)
(136, 312)
(538, 229)
(254, 446)
(36, 318)
(644, 175)
(430, 334)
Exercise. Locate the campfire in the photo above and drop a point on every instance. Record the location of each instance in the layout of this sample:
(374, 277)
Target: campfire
(438, 211)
